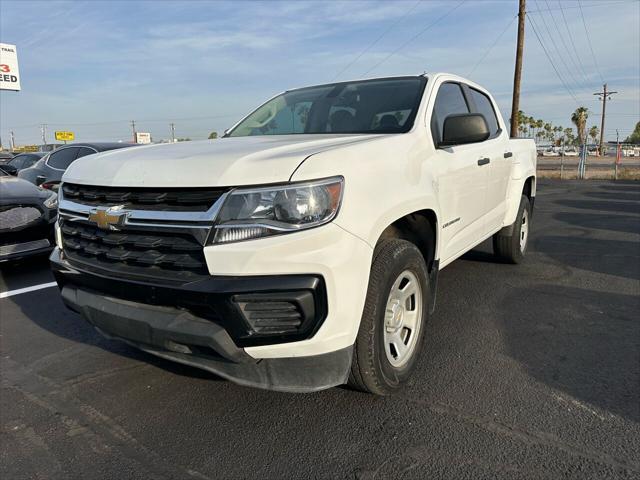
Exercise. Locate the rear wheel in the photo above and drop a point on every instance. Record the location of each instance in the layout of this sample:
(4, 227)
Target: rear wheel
(512, 247)
(392, 327)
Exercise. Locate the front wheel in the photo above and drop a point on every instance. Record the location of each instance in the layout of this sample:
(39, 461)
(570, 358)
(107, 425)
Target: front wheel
(511, 247)
(393, 321)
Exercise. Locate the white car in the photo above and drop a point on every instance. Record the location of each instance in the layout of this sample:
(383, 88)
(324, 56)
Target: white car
(302, 250)
(571, 152)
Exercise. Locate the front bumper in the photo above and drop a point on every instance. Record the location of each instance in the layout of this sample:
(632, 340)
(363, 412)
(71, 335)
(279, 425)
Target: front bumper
(184, 338)
(34, 238)
(199, 324)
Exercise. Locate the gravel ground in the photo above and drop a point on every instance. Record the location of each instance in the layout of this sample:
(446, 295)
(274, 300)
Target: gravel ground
(530, 371)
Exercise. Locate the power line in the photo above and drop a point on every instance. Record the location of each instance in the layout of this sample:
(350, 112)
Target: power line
(560, 56)
(575, 50)
(586, 31)
(535, 31)
(564, 44)
(605, 4)
(492, 45)
(384, 34)
(432, 24)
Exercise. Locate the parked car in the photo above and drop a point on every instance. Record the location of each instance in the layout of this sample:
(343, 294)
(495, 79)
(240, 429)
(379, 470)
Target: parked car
(27, 216)
(48, 172)
(302, 250)
(22, 161)
(571, 152)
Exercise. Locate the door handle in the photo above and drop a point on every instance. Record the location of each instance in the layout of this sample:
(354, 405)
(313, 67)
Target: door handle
(508, 154)
(483, 161)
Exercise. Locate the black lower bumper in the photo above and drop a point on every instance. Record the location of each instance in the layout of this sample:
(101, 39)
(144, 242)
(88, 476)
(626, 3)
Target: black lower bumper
(158, 320)
(36, 239)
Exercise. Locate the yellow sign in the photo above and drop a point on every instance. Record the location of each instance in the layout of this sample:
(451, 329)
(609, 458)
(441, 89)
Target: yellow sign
(65, 136)
(27, 148)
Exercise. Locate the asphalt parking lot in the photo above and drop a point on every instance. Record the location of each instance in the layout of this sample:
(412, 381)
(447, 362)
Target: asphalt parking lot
(530, 371)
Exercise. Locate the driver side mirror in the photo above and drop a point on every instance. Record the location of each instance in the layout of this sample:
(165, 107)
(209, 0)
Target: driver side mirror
(463, 128)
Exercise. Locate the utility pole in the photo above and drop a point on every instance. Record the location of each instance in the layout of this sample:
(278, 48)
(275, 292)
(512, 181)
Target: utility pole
(515, 103)
(43, 131)
(12, 140)
(617, 153)
(603, 96)
(133, 129)
(173, 133)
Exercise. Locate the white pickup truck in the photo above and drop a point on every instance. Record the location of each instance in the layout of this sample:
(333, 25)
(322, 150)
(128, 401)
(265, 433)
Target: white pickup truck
(300, 251)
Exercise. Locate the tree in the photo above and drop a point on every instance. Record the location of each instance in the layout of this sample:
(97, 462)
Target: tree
(548, 131)
(635, 136)
(568, 136)
(539, 124)
(532, 126)
(579, 119)
(213, 135)
(593, 133)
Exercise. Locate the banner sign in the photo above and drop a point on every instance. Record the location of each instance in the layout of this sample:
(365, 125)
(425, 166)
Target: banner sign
(9, 72)
(65, 136)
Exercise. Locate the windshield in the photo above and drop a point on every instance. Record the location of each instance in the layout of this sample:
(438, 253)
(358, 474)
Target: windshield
(371, 106)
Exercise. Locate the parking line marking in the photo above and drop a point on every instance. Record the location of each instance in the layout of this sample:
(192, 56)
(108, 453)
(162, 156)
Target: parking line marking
(10, 293)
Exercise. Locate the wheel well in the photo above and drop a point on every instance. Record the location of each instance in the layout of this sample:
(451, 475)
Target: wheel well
(418, 228)
(528, 187)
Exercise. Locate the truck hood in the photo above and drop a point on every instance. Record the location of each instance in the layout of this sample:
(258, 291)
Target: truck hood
(209, 163)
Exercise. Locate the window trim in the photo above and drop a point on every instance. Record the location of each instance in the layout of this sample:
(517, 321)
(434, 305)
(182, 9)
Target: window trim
(467, 91)
(65, 148)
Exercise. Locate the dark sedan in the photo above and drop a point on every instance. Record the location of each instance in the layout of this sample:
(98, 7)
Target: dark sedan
(48, 171)
(27, 217)
(22, 161)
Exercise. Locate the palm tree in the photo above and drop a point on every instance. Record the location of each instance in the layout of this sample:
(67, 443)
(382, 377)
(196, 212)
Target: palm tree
(559, 129)
(568, 136)
(548, 129)
(593, 133)
(539, 124)
(579, 119)
(532, 126)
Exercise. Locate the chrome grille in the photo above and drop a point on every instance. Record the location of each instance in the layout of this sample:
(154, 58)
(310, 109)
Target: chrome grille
(146, 243)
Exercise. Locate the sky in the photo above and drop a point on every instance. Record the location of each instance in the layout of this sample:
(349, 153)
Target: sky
(91, 67)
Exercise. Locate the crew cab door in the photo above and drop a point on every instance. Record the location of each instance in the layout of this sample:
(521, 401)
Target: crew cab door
(495, 148)
(461, 174)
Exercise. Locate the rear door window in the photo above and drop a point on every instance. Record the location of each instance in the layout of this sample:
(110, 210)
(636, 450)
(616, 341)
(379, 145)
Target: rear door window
(485, 107)
(30, 160)
(17, 161)
(84, 151)
(61, 159)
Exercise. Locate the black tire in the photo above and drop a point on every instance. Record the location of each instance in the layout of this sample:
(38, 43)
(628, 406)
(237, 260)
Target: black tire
(507, 246)
(371, 370)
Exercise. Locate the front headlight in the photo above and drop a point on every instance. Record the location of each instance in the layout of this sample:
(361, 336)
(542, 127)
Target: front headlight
(262, 212)
(52, 201)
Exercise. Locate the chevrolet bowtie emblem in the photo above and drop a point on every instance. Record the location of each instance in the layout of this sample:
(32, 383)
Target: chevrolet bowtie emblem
(108, 218)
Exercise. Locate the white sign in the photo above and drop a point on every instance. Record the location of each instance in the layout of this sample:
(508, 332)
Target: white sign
(143, 137)
(9, 72)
